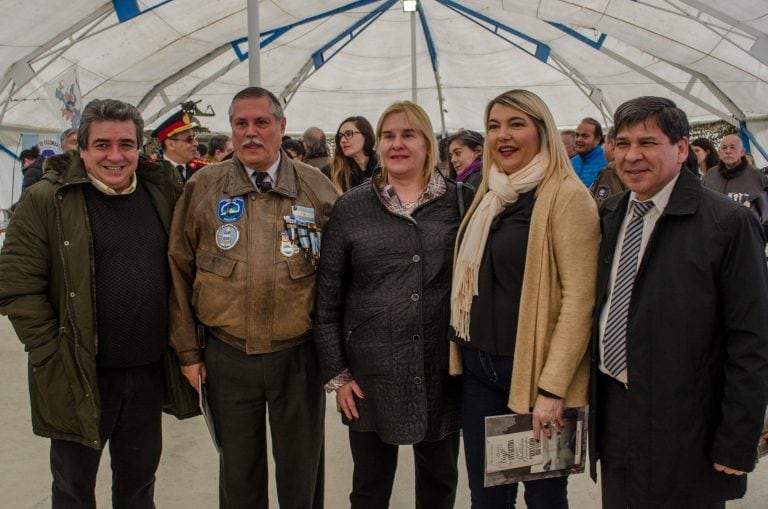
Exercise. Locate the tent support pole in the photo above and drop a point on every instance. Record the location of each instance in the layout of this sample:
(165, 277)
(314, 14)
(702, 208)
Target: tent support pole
(414, 85)
(254, 49)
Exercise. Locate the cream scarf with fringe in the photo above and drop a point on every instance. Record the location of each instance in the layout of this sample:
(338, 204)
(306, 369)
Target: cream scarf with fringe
(503, 190)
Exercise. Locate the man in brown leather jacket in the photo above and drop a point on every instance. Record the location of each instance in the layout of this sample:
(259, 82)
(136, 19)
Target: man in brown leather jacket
(243, 247)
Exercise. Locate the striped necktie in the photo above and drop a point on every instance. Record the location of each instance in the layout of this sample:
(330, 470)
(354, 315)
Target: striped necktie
(258, 181)
(615, 337)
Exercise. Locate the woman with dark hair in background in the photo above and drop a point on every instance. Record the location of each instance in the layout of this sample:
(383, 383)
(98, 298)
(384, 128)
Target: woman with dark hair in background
(466, 153)
(706, 154)
(354, 159)
(294, 149)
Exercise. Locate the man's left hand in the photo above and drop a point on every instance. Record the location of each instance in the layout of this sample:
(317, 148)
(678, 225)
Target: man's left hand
(728, 470)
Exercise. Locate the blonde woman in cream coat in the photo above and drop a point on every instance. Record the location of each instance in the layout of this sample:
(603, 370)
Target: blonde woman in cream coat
(523, 290)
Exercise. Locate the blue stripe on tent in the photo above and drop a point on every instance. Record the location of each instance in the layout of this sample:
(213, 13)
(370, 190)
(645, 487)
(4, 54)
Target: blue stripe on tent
(270, 35)
(573, 33)
(319, 58)
(8, 151)
(129, 9)
(542, 49)
(747, 137)
(428, 37)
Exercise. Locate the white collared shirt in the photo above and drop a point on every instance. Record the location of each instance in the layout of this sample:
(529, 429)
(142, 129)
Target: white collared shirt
(660, 201)
(174, 163)
(271, 172)
(104, 188)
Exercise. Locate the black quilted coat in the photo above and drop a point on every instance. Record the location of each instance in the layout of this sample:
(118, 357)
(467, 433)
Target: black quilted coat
(383, 310)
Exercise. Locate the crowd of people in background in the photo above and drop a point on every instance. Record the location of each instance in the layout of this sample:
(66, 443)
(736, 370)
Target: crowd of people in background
(522, 269)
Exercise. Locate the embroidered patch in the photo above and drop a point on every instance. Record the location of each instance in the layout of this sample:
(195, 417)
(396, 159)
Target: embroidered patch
(231, 209)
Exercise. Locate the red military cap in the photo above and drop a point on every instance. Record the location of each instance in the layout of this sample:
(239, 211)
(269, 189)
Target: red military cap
(176, 123)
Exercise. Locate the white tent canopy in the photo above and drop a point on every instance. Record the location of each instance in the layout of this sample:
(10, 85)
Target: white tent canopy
(334, 58)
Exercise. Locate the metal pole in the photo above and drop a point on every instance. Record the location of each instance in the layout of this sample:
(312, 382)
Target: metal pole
(413, 57)
(254, 48)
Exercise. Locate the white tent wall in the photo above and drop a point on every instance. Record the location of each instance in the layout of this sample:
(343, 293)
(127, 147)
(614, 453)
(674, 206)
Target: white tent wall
(583, 57)
(759, 129)
(10, 180)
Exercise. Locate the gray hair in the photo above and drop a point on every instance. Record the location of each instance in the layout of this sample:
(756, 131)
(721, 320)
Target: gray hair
(257, 93)
(108, 110)
(66, 135)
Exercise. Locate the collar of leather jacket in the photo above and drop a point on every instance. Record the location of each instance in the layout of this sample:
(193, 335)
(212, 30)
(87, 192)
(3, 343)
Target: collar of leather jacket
(237, 182)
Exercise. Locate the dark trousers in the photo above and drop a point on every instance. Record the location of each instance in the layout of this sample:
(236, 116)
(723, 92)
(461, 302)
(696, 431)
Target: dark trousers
(240, 389)
(375, 464)
(612, 440)
(485, 392)
(131, 408)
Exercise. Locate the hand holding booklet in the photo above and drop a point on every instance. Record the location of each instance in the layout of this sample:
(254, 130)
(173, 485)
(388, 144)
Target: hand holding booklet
(513, 455)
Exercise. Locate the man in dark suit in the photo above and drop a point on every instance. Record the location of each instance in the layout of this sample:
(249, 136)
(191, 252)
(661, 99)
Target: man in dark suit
(680, 343)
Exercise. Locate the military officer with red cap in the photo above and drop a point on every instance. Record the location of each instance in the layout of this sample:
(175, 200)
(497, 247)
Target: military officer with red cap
(179, 143)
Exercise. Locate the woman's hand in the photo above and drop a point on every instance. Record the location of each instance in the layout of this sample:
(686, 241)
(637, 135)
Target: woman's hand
(547, 416)
(345, 397)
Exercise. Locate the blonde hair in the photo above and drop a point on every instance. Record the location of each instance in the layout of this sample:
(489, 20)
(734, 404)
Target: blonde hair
(550, 141)
(419, 119)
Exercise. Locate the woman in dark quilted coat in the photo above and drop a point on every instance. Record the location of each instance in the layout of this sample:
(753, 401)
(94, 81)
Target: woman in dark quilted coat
(383, 312)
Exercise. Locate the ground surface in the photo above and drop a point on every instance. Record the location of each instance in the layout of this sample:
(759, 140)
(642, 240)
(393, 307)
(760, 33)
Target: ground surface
(187, 477)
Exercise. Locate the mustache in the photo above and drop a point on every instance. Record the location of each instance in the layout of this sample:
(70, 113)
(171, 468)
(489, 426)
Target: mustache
(251, 141)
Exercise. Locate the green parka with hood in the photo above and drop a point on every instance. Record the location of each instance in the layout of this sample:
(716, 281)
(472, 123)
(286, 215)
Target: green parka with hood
(47, 291)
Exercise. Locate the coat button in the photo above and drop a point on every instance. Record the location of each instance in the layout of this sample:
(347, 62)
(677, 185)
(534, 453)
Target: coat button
(416, 258)
(59, 197)
(607, 259)
(416, 337)
(414, 297)
(66, 242)
(253, 197)
(417, 380)
(72, 294)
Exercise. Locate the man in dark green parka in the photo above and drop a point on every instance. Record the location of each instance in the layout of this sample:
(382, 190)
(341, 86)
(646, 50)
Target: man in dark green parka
(84, 280)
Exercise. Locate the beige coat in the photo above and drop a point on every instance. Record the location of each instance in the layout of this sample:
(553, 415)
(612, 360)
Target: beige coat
(557, 297)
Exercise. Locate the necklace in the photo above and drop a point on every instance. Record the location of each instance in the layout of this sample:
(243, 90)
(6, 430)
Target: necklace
(408, 204)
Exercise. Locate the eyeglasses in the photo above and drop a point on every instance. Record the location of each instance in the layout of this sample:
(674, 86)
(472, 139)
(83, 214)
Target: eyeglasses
(347, 135)
(188, 139)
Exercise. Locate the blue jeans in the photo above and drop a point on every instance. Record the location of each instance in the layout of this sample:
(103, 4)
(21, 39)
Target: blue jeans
(485, 392)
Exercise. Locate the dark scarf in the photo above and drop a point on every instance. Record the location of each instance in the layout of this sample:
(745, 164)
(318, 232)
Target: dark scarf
(734, 172)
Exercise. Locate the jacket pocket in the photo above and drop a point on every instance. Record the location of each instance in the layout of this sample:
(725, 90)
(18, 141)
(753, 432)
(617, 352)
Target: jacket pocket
(39, 357)
(50, 390)
(299, 267)
(294, 300)
(219, 265)
(218, 293)
(368, 341)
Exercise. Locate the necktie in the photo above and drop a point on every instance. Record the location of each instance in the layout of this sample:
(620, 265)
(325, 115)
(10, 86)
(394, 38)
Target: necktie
(182, 172)
(615, 337)
(258, 181)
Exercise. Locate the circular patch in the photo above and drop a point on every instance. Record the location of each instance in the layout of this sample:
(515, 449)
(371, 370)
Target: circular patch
(227, 236)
